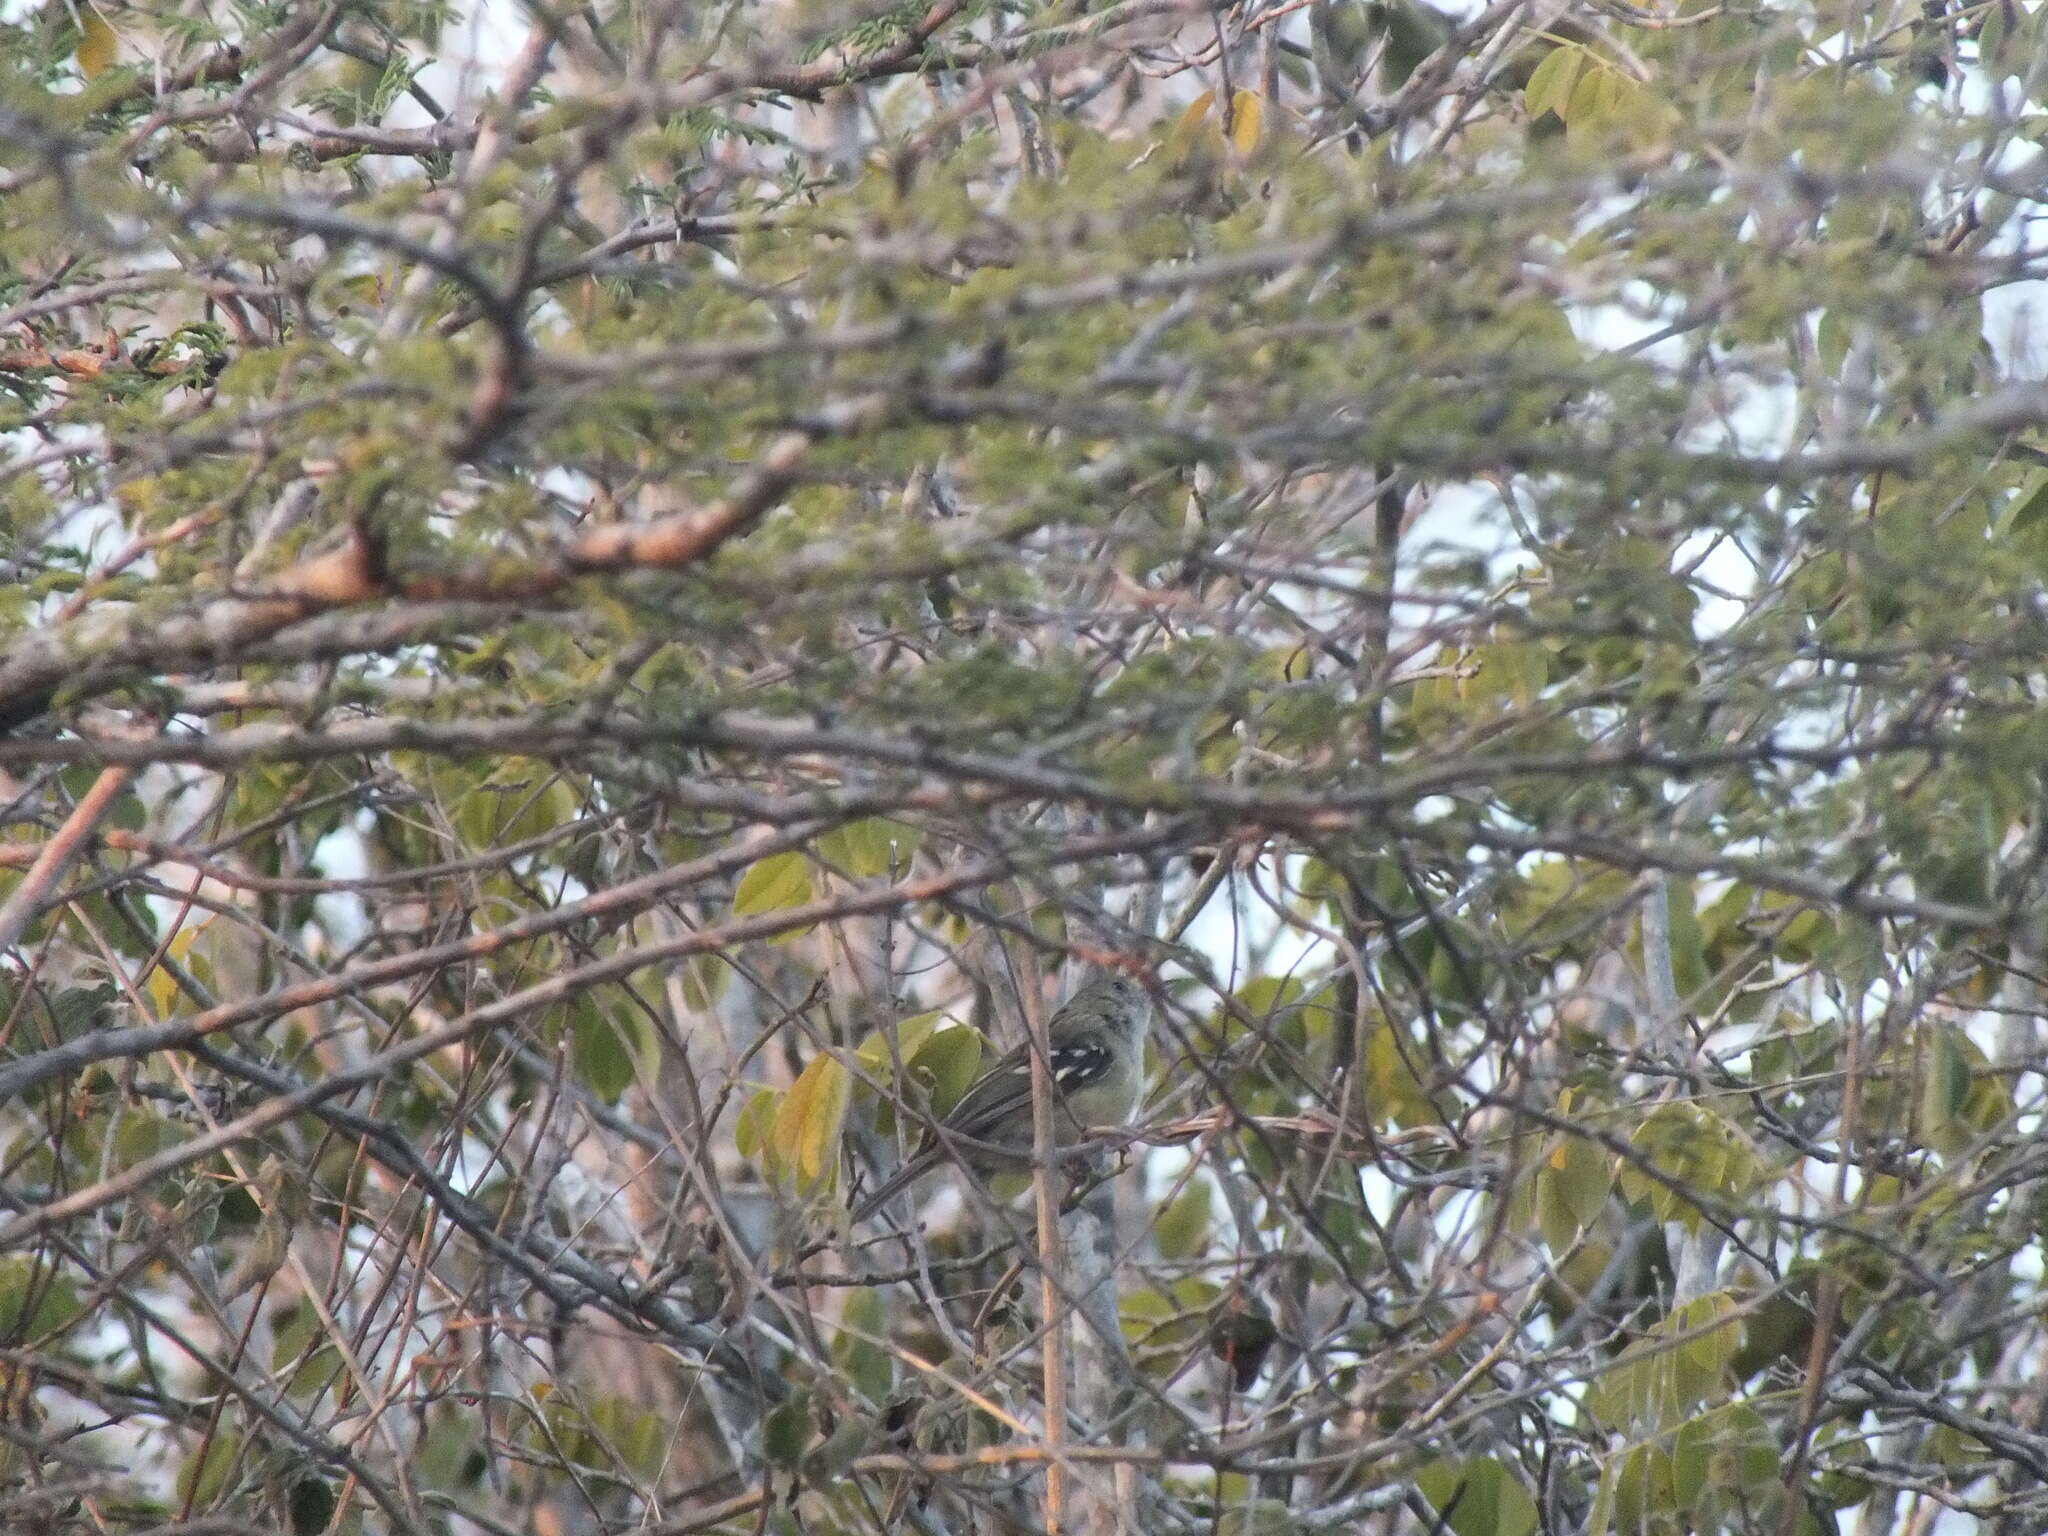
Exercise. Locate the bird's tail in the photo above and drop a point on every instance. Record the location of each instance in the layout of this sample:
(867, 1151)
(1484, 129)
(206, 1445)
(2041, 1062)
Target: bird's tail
(893, 1186)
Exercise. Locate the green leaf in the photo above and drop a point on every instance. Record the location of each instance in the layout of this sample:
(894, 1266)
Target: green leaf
(1511, 672)
(1696, 1152)
(1726, 1462)
(751, 1131)
(1550, 83)
(1643, 1488)
(639, 1436)
(1478, 1497)
(870, 847)
(76, 1012)
(826, 1464)
(1163, 1324)
(2001, 49)
(520, 798)
(1592, 95)
(949, 1062)
(1600, 1520)
(860, 1349)
(774, 884)
(35, 1302)
(1414, 30)
(787, 1431)
(204, 1476)
(1712, 1334)
(1261, 1517)
(1684, 1361)
(1831, 341)
(2028, 509)
(1689, 970)
(449, 1455)
(877, 1066)
(310, 1505)
(1182, 1229)
(602, 1048)
(1396, 1088)
(875, 1056)
(780, 881)
(1573, 1184)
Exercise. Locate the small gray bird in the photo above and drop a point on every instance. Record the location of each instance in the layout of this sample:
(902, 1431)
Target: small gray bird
(1097, 1047)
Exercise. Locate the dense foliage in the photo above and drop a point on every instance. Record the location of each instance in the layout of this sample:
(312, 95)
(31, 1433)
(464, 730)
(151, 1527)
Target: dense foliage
(597, 602)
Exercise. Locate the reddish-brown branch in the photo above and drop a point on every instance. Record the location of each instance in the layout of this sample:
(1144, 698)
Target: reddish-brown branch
(357, 573)
(220, 67)
(59, 851)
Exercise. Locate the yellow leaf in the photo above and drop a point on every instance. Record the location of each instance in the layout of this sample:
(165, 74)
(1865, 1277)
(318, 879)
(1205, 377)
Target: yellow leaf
(1239, 127)
(1246, 115)
(96, 44)
(752, 1130)
(163, 987)
(807, 1122)
(1198, 109)
(1180, 140)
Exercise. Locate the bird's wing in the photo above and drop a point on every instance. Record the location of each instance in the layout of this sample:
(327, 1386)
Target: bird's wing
(995, 1095)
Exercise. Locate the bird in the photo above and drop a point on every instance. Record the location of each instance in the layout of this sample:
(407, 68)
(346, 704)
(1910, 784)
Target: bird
(1096, 1044)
